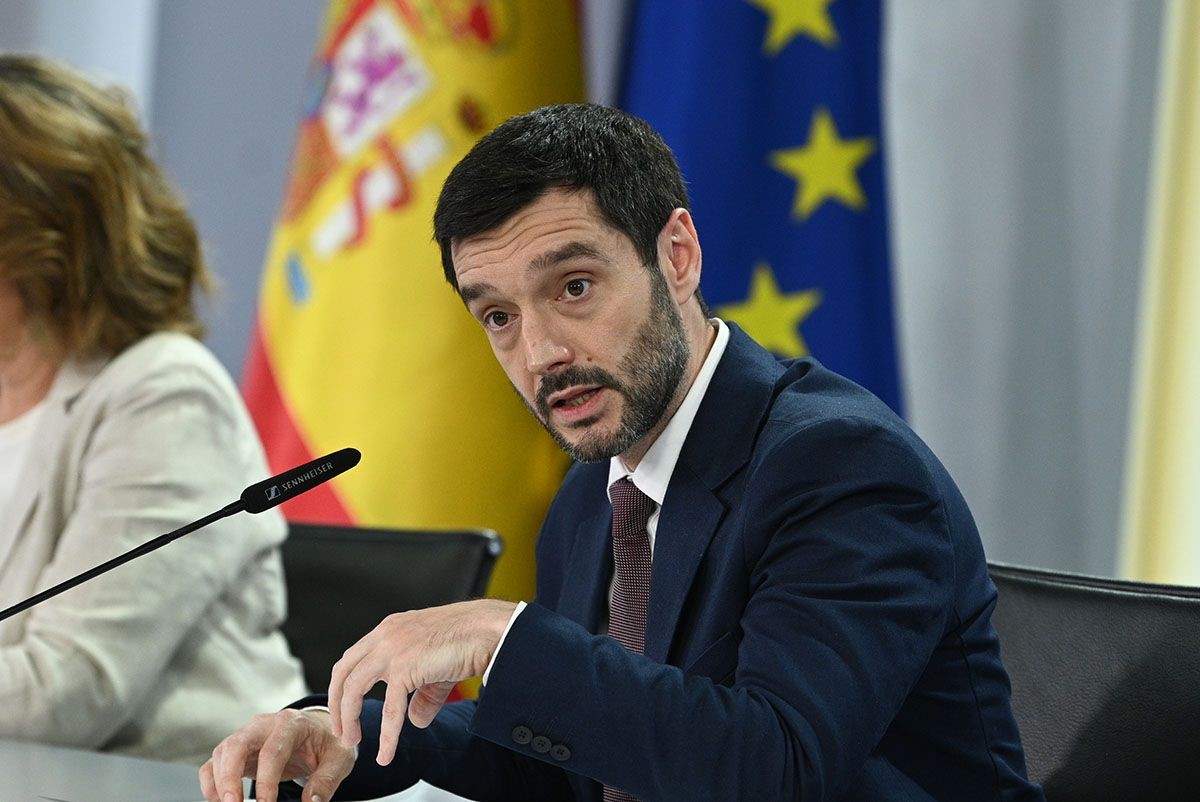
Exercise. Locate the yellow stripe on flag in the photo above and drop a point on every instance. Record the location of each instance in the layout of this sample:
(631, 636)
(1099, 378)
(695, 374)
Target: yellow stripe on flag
(368, 344)
(1162, 522)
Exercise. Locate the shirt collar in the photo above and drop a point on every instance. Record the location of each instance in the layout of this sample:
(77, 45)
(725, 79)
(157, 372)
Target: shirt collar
(653, 473)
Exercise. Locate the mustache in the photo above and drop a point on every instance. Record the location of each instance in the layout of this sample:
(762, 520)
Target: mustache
(570, 377)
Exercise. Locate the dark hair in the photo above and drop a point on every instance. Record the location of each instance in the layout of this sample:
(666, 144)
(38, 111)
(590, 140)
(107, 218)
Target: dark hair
(96, 240)
(623, 161)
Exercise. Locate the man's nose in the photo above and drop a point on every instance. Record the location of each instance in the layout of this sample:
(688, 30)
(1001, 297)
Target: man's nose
(545, 348)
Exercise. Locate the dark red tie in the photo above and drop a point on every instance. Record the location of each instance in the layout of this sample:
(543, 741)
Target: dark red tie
(631, 585)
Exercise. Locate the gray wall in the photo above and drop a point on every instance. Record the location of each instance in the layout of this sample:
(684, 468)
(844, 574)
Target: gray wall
(116, 42)
(228, 86)
(1019, 139)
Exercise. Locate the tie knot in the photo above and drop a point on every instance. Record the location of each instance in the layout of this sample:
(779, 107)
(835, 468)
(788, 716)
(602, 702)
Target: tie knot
(631, 508)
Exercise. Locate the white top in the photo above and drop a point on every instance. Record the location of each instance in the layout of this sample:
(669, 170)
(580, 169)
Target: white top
(16, 439)
(653, 473)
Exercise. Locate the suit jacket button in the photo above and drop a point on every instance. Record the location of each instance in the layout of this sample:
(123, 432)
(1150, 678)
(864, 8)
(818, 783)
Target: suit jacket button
(560, 752)
(541, 744)
(522, 735)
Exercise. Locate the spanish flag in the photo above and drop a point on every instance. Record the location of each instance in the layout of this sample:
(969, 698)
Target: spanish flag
(359, 340)
(1162, 531)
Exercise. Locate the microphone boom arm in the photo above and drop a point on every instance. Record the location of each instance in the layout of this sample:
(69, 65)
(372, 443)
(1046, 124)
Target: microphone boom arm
(256, 498)
(137, 551)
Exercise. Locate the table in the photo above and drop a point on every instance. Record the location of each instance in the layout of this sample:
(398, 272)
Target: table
(36, 772)
(40, 773)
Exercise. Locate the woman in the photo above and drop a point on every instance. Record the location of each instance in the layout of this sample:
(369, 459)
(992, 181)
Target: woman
(117, 425)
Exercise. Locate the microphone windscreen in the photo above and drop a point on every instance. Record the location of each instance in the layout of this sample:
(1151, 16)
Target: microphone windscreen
(287, 485)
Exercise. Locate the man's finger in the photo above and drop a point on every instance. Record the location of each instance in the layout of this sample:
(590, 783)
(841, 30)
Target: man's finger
(274, 754)
(208, 786)
(340, 674)
(427, 701)
(394, 704)
(358, 683)
(232, 758)
(227, 773)
(337, 677)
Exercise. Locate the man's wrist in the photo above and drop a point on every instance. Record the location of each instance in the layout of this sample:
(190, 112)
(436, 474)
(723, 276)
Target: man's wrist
(500, 617)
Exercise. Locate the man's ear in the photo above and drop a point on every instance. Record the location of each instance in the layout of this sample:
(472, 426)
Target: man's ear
(679, 255)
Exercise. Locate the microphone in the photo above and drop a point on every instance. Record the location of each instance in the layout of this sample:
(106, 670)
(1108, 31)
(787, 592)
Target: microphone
(287, 485)
(256, 498)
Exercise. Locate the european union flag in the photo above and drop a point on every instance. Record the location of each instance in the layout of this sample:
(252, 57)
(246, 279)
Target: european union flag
(773, 109)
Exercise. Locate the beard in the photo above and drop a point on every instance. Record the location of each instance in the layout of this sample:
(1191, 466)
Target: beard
(651, 373)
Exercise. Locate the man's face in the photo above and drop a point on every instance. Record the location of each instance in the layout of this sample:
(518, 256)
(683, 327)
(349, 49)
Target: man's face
(591, 340)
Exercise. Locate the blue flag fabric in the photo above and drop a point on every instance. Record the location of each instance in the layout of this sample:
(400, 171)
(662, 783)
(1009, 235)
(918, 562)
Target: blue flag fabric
(773, 110)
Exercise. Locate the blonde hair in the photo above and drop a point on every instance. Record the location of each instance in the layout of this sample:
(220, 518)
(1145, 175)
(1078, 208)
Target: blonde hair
(96, 240)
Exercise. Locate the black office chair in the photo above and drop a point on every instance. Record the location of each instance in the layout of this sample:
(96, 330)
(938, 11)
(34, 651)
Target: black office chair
(1106, 683)
(342, 581)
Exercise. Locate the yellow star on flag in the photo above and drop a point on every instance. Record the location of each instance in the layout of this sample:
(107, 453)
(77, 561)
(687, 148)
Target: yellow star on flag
(773, 317)
(792, 17)
(825, 167)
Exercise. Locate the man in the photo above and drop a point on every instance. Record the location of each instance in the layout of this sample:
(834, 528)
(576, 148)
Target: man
(755, 584)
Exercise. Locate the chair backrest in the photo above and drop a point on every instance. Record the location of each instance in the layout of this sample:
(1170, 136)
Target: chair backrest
(342, 581)
(1106, 683)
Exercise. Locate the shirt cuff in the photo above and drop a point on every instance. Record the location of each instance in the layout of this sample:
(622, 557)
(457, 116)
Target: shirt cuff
(492, 662)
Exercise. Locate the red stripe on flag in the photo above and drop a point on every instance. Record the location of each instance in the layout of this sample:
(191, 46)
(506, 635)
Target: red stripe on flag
(345, 25)
(282, 440)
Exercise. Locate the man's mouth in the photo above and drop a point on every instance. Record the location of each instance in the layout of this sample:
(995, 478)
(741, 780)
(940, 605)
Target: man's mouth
(575, 397)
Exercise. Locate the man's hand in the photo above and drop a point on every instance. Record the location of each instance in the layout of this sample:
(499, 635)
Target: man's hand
(271, 748)
(422, 652)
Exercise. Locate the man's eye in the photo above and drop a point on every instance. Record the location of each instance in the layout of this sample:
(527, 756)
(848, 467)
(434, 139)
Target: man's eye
(577, 286)
(496, 320)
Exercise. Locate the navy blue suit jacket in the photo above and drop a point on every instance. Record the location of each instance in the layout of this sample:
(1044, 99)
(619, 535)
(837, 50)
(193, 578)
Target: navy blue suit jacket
(818, 629)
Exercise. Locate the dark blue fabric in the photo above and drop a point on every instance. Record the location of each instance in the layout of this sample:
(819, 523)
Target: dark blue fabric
(701, 75)
(819, 625)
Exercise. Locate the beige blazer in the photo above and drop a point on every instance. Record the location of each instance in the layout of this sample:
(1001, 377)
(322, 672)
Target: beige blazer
(166, 655)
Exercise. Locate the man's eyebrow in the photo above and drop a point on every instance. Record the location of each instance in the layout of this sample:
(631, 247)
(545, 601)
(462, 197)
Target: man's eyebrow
(472, 291)
(567, 252)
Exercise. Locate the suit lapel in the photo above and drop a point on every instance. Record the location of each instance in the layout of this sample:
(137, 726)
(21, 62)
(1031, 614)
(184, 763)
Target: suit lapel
(690, 517)
(718, 444)
(585, 587)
